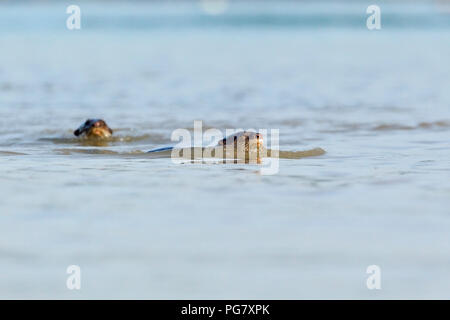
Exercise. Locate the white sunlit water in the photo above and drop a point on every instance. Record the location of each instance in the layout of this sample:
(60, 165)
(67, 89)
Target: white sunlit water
(376, 101)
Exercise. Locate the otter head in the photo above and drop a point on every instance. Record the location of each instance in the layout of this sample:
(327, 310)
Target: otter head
(250, 141)
(94, 128)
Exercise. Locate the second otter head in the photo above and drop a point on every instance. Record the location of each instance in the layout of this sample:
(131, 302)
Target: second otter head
(94, 128)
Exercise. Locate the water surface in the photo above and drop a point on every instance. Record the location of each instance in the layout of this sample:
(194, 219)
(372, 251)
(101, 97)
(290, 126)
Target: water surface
(377, 102)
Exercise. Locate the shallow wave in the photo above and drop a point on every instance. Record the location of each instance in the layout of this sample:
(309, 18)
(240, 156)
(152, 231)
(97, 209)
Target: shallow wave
(353, 127)
(10, 153)
(70, 151)
(117, 140)
(301, 154)
(421, 125)
(168, 153)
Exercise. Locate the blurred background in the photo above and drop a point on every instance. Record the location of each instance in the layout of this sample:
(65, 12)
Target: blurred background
(377, 102)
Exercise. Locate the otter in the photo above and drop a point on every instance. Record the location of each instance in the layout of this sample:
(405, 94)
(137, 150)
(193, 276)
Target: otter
(94, 128)
(243, 146)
